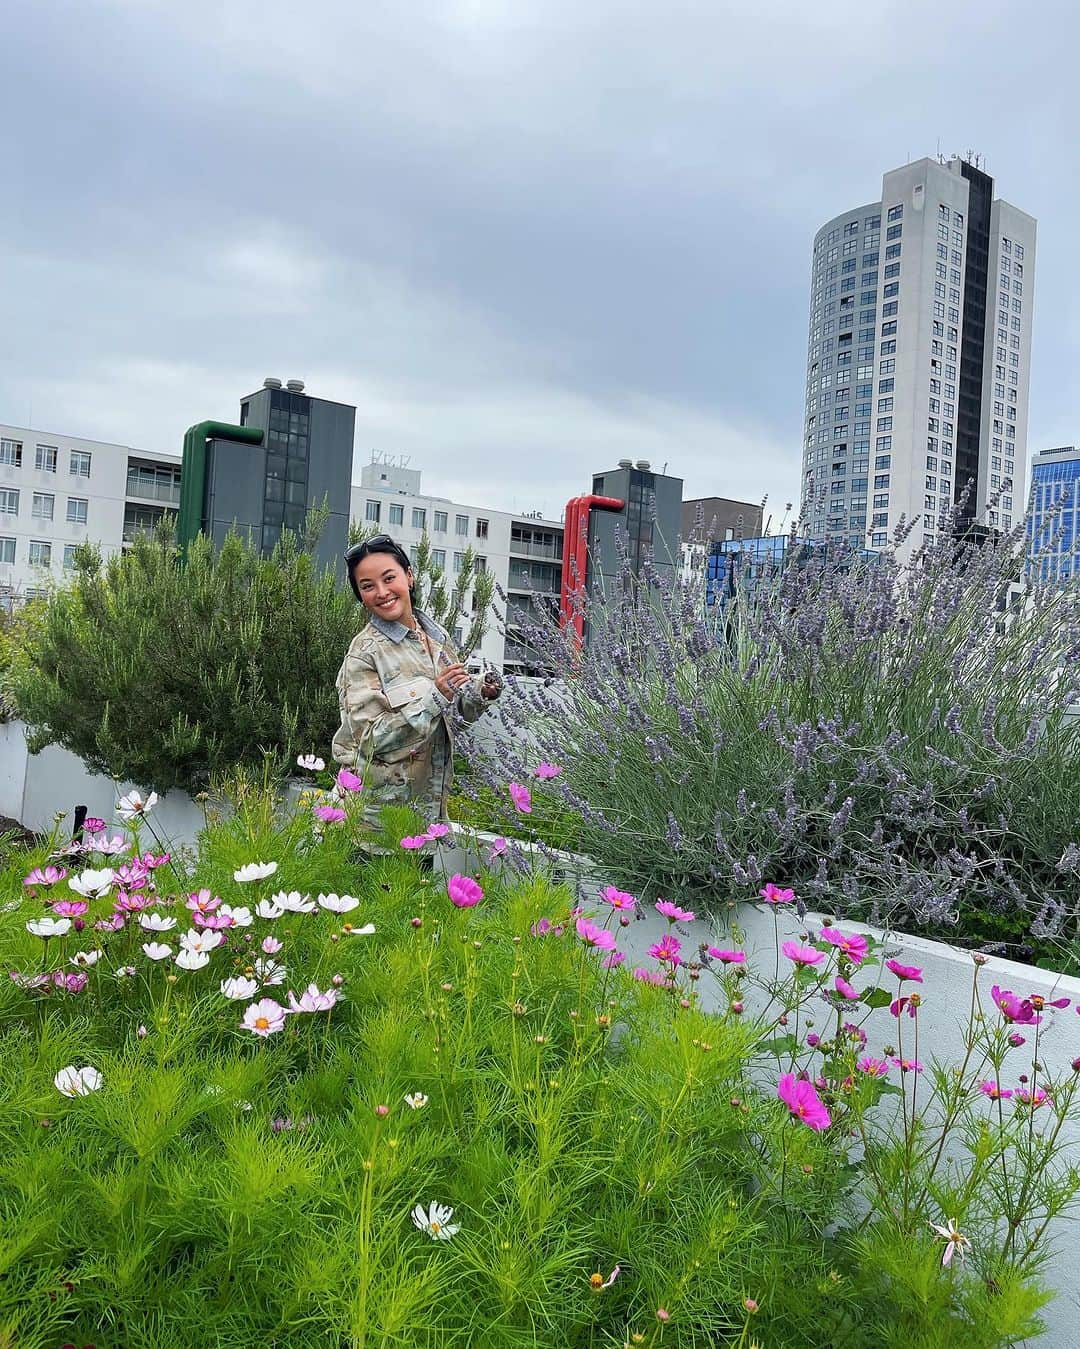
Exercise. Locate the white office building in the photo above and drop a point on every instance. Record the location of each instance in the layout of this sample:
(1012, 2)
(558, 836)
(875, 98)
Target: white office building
(57, 491)
(918, 358)
(523, 552)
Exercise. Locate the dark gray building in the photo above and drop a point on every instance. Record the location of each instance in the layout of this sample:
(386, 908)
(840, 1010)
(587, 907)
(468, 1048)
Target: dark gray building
(303, 458)
(723, 519)
(649, 523)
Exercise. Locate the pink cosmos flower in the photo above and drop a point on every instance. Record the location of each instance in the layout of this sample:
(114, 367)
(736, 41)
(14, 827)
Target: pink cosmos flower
(845, 989)
(672, 912)
(726, 957)
(613, 960)
(871, 1066)
(214, 922)
(498, 847)
(1013, 1009)
(329, 814)
(152, 861)
(92, 824)
(598, 937)
(854, 1032)
(204, 901)
(851, 944)
(521, 797)
(912, 1004)
(271, 945)
(30, 983)
(955, 1241)
(132, 875)
(1039, 1002)
(108, 847)
(264, 1017)
(311, 1000)
(618, 899)
(70, 908)
(546, 770)
(803, 1101)
(995, 1090)
(542, 928)
(348, 781)
(802, 955)
(412, 841)
(45, 876)
(128, 903)
(464, 892)
(907, 1065)
(667, 949)
(911, 972)
(1016, 1039)
(650, 977)
(70, 983)
(436, 831)
(772, 894)
(1033, 1097)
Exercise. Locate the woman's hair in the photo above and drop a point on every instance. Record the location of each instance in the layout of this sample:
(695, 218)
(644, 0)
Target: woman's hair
(378, 543)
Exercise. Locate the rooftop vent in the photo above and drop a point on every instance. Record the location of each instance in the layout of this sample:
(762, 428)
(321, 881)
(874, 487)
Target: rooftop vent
(271, 383)
(643, 465)
(295, 386)
(626, 463)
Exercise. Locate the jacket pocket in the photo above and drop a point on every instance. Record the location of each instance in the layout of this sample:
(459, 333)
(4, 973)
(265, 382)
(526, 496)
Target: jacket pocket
(405, 689)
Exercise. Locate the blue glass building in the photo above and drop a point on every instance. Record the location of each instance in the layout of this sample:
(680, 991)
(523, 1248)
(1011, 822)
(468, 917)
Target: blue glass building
(1054, 515)
(739, 566)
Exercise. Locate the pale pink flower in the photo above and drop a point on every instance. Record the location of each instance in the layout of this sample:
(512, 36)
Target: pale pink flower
(156, 950)
(437, 830)
(598, 1283)
(264, 1017)
(650, 977)
(498, 847)
(414, 841)
(672, 912)
(203, 901)
(612, 960)
(72, 1081)
(802, 955)
(45, 876)
(311, 762)
(871, 1066)
(270, 945)
(311, 1000)
(955, 1241)
(108, 847)
(845, 989)
(70, 908)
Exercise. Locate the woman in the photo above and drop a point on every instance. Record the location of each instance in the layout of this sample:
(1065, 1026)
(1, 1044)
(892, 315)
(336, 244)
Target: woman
(399, 679)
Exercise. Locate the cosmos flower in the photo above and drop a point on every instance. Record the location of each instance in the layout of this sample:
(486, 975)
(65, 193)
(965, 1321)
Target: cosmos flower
(72, 1081)
(521, 797)
(802, 1100)
(239, 987)
(773, 894)
(92, 884)
(264, 1017)
(338, 903)
(49, 927)
(955, 1241)
(435, 1221)
(254, 871)
(133, 807)
(672, 912)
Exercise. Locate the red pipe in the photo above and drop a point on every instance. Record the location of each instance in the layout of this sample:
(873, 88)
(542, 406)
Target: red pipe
(576, 556)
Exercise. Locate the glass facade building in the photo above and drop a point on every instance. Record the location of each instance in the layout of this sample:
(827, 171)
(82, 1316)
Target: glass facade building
(1054, 518)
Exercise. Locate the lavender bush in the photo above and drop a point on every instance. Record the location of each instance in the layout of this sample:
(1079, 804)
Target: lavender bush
(893, 735)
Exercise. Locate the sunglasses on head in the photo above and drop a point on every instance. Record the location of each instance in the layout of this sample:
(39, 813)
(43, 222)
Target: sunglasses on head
(378, 543)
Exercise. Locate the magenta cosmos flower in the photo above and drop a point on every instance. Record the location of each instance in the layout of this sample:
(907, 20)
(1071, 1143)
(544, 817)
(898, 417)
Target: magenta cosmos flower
(726, 957)
(1014, 1009)
(464, 891)
(871, 1066)
(772, 894)
(911, 972)
(618, 899)
(411, 841)
(436, 831)
(649, 977)
(349, 782)
(845, 989)
(613, 960)
(850, 944)
(994, 1090)
(598, 937)
(803, 1101)
(543, 771)
(521, 797)
(672, 912)
(802, 955)
(667, 949)
(70, 908)
(329, 814)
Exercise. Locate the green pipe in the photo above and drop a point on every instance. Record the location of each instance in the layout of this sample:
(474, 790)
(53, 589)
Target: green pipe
(189, 520)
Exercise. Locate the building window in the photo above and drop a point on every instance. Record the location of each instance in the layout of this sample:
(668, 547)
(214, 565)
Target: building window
(440, 522)
(79, 464)
(40, 553)
(372, 512)
(11, 453)
(461, 525)
(397, 513)
(9, 501)
(7, 551)
(438, 557)
(459, 558)
(42, 507)
(481, 565)
(69, 555)
(419, 517)
(481, 529)
(45, 458)
(895, 212)
(76, 510)
(878, 540)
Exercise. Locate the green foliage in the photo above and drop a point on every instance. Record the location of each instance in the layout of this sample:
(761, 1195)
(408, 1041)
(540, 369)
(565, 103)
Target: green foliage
(221, 1188)
(17, 631)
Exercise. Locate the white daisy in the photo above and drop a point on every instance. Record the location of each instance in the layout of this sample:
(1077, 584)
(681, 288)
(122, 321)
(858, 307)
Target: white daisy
(269, 972)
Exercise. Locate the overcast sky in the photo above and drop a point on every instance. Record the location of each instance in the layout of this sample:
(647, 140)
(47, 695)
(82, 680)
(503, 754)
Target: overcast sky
(524, 238)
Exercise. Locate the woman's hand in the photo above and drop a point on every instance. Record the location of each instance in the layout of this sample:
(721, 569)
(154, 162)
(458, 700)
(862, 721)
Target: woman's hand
(492, 685)
(450, 680)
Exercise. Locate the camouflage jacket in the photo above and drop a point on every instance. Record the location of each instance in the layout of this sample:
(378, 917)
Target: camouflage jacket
(394, 725)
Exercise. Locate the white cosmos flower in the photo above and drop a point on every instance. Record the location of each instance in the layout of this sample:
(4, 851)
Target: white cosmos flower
(416, 1100)
(84, 959)
(202, 940)
(254, 871)
(133, 806)
(311, 762)
(364, 931)
(269, 972)
(193, 960)
(92, 884)
(266, 908)
(240, 917)
(72, 1081)
(338, 903)
(239, 987)
(156, 950)
(156, 922)
(436, 1221)
(293, 901)
(49, 927)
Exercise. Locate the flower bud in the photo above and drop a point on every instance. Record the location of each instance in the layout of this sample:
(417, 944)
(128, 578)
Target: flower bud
(738, 1008)
(338, 980)
(381, 1111)
(684, 1003)
(416, 922)
(662, 1314)
(750, 1304)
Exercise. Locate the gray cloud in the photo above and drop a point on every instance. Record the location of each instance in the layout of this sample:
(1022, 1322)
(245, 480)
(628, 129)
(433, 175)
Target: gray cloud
(524, 238)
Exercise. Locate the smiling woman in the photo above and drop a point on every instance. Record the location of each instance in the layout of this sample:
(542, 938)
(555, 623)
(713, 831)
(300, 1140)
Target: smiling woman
(398, 682)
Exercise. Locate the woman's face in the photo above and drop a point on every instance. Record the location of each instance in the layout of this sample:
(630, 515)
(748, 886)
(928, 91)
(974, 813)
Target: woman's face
(384, 587)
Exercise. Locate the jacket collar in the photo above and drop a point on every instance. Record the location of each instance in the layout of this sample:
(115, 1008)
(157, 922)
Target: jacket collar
(397, 632)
